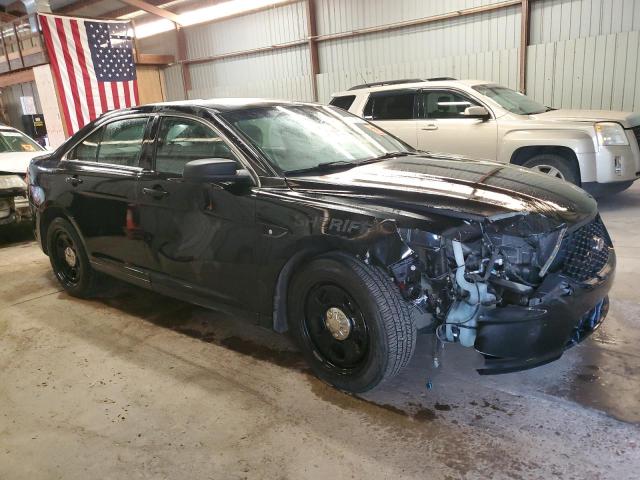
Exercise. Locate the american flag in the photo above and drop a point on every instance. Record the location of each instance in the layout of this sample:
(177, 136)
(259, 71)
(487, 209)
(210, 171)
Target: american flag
(93, 66)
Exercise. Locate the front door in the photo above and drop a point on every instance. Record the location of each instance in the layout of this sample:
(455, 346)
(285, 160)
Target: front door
(102, 172)
(441, 127)
(200, 237)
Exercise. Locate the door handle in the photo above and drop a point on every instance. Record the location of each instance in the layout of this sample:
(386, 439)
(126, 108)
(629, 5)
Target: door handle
(73, 180)
(155, 192)
(430, 126)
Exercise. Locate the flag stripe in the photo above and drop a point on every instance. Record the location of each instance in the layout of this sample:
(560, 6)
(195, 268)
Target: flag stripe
(104, 106)
(127, 96)
(114, 92)
(120, 94)
(46, 30)
(75, 72)
(83, 71)
(71, 79)
(109, 95)
(136, 100)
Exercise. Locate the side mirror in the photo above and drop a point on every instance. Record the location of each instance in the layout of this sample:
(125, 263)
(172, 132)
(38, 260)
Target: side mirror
(214, 170)
(476, 111)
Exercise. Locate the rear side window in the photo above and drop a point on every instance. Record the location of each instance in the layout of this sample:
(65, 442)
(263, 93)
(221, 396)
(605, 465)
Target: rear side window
(117, 143)
(344, 102)
(445, 104)
(121, 142)
(87, 150)
(390, 106)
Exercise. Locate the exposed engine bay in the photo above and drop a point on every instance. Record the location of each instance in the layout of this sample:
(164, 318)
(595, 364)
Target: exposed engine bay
(460, 277)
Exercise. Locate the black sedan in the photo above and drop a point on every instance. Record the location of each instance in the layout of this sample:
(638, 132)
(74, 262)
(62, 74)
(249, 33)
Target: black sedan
(328, 227)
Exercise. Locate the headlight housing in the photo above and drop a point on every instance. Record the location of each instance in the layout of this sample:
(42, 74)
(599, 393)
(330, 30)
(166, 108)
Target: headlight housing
(611, 134)
(12, 182)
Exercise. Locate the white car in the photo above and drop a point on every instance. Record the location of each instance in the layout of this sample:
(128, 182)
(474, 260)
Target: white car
(16, 152)
(597, 150)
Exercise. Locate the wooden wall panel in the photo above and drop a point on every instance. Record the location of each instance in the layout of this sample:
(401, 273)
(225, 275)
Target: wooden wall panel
(150, 84)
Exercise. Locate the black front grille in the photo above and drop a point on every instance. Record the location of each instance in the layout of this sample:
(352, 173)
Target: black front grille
(586, 251)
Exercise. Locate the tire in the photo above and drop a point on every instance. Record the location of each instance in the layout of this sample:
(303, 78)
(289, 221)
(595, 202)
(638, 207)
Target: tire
(565, 168)
(371, 341)
(69, 259)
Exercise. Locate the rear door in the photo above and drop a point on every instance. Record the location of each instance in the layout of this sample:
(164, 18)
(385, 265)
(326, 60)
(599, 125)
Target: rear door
(395, 111)
(200, 237)
(101, 172)
(441, 127)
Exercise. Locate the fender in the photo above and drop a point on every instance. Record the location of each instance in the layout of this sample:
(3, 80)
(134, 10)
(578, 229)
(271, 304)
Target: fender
(578, 141)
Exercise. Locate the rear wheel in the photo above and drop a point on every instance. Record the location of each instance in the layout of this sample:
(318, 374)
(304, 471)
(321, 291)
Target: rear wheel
(352, 324)
(555, 166)
(69, 259)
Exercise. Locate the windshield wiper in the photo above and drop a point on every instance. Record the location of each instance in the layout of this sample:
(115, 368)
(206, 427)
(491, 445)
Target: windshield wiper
(385, 157)
(337, 164)
(323, 167)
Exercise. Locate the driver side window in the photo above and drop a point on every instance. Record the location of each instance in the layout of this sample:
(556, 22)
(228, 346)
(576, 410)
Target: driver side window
(181, 140)
(444, 104)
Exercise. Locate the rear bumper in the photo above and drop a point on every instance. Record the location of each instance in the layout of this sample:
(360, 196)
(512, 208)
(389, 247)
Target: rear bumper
(516, 338)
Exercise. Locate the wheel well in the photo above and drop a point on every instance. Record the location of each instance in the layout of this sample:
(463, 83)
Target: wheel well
(523, 154)
(282, 286)
(48, 216)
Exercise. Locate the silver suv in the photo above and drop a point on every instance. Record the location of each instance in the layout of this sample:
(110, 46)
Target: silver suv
(597, 150)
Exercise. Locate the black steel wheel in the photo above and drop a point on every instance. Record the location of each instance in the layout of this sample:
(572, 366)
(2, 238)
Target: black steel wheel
(351, 322)
(69, 259)
(336, 328)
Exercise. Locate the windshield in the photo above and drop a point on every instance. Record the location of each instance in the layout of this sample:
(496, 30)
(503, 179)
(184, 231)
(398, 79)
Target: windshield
(305, 137)
(15, 141)
(510, 100)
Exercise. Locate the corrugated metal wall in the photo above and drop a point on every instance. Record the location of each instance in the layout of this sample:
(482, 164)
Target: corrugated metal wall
(482, 46)
(582, 53)
(585, 54)
(279, 74)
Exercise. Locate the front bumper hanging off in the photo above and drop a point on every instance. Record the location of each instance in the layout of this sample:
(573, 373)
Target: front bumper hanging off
(515, 338)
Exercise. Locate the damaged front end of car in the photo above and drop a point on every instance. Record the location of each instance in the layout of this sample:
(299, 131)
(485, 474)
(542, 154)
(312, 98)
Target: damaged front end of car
(519, 288)
(14, 206)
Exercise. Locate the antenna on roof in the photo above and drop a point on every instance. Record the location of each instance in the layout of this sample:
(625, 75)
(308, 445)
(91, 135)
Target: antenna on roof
(364, 80)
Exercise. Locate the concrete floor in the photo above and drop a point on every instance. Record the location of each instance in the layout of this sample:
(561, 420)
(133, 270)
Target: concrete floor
(135, 385)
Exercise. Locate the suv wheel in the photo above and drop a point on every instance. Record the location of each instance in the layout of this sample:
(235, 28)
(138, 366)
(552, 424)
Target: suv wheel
(555, 166)
(69, 259)
(351, 322)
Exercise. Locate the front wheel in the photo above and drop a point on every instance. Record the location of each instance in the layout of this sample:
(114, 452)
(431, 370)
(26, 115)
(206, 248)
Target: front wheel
(69, 259)
(351, 322)
(555, 166)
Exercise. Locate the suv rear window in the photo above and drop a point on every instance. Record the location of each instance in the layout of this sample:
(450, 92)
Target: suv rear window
(390, 106)
(344, 102)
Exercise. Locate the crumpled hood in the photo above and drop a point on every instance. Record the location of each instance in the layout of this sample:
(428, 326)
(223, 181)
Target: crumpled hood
(626, 119)
(451, 185)
(17, 162)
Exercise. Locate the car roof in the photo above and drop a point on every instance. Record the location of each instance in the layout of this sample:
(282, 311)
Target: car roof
(227, 104)
(217, 105)
(396, 85)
